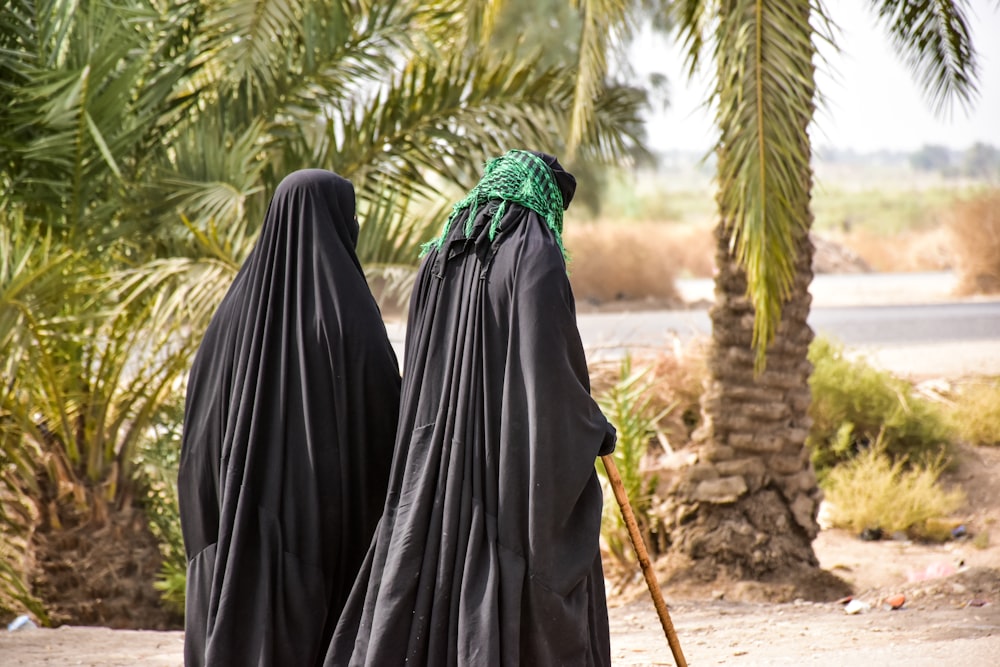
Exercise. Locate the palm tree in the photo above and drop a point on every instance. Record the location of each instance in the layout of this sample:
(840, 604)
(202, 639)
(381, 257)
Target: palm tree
(142, 139)
(749, 505)
(28, 265)
(399, 100)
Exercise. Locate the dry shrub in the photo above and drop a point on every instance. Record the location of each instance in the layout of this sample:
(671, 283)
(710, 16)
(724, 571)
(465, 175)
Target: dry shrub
(604, 373)
(975, 412)
(975, 228)
(927, 249)
(872, 491)
(677, 379)
(680, 378)
(634, 261)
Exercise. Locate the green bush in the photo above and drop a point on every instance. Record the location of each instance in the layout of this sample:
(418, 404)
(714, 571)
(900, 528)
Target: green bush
(873, 491)
(158, 460)
(855, 404)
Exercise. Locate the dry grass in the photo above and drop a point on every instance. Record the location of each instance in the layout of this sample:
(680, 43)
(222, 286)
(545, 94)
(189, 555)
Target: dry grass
(635, 261)
(975, 228)
(677, 379)
(624, 262)
(925, 249)
(975, 413)
(871, 491)
(680, 379)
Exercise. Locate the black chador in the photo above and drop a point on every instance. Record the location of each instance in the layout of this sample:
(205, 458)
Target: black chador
(487, 552)
(288, 433)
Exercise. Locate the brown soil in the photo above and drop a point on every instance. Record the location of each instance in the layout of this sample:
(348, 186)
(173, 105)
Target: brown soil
(952, 621)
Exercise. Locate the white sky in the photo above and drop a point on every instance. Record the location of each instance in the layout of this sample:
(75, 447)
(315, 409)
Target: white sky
(873, 102)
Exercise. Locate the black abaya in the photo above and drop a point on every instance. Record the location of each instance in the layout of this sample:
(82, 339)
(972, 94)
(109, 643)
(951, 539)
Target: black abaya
(289, 424)
(487, 552)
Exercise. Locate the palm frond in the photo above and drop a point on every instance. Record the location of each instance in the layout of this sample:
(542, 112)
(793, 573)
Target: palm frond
(617, 130)
(934, 38)
(215, 183)
(18, 41)
(188, 291)
(691, 19)
(99, 370)
(439, 122)
(99, 94)
(765, 103)
(481, 19)
(394, 227)
(30, 271)
(425, 135)
(247, 32)
(302, 51)
(604, 22)
(31, 267)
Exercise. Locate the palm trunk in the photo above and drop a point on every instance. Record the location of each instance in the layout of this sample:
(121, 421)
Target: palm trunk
(754, 434)
(748, 506)
(747, 509)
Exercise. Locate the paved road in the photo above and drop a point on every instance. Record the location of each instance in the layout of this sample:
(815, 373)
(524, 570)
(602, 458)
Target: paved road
(852, 325)
(949, 339)
(907, 323)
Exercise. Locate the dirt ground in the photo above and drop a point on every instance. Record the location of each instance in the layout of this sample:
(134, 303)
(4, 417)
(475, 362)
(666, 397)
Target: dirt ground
(943, 628)
(951, 613)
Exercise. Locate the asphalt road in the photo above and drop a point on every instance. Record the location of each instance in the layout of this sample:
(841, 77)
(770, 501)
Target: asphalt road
(910, 324)
(851, 325)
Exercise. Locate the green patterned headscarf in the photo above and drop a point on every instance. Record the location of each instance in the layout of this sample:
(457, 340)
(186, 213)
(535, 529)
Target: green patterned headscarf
(519, 177)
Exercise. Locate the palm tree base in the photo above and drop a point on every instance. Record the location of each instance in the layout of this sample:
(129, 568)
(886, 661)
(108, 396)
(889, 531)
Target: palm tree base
(746, 510)
(92, 573)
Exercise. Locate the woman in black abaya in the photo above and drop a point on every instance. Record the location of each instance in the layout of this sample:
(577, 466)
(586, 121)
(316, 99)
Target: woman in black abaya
(289, 423)
(487, 552)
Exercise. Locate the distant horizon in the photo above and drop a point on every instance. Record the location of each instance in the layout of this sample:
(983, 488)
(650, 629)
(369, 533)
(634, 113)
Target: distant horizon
(873, 103)
(819, 150)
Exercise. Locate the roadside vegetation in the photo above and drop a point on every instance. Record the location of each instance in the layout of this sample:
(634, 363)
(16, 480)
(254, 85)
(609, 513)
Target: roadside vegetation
(630, 405)
(873, 492)
(856, 406)
(973, 411)
(975, 228)
(880, 444)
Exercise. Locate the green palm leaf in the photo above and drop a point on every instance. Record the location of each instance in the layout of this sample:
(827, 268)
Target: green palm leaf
(604, 24)
(765, 102)
(935, 41)
(98, 93)
(765, 97)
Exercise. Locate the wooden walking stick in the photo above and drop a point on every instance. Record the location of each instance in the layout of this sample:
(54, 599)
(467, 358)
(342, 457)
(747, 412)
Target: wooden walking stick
(644, 564)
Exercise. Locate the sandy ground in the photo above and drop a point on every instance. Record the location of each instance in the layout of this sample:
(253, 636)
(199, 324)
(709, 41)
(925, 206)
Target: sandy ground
(951, 615)
(710, 632)
(728, 633)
